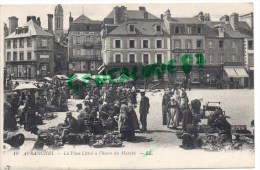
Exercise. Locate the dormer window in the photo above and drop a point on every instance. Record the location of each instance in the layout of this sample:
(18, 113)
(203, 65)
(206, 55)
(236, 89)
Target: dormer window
(145, 15)
(177, 30)
(158, 28)
(131, 28)
(199, 30)
(188, 29)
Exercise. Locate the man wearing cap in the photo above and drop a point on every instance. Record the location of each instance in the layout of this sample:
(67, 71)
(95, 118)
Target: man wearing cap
(71, 126)
(144, 110)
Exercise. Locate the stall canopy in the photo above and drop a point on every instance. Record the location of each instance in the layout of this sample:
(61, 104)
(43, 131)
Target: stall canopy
(101, 78)
(235, 72)
(47, 78)
(81, 77)
(61, 77)
(25, 86)
(123, 79)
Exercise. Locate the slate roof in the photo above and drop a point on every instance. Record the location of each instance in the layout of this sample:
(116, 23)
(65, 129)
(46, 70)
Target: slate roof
(186, 20)
(82, 21)
(141, 28)
(33, 29)
(244, 31)
(134, 14)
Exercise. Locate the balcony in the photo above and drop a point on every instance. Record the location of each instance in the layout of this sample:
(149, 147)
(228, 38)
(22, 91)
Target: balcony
(91, 45)
(85, 57)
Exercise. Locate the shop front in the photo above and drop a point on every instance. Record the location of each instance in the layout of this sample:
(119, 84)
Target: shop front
(235, 76)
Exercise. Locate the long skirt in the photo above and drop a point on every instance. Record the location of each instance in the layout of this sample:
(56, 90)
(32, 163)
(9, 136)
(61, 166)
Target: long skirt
(173, 117)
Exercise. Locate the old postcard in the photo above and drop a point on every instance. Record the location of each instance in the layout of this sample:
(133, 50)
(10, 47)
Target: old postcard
(127, 86)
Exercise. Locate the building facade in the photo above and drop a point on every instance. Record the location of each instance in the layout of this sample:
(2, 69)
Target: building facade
(187, 38)
(84, 45)
(29, 52)
(132, 39)
(225, 49)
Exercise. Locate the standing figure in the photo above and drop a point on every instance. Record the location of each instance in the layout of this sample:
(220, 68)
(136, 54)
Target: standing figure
(9, 115)
(183, 102)
(144, 110)
(173, 113)
(165, 101)
(122, 120)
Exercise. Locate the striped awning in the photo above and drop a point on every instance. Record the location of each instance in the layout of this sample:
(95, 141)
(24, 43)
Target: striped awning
(236, 72)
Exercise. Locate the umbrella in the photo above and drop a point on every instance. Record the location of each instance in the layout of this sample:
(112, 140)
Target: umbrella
(25, 86)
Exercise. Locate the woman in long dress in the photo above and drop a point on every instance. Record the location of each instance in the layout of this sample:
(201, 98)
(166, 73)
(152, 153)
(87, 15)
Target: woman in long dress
(173, 114)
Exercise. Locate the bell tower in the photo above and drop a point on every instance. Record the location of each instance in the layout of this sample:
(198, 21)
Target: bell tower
(58, 22)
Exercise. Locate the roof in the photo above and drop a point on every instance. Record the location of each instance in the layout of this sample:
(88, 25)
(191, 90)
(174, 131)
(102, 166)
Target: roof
(187, 20)
(134, 14)
(81, 23)
(58, 9)
(244, 31)
(33, 29)
(141, 28)
(84, 19)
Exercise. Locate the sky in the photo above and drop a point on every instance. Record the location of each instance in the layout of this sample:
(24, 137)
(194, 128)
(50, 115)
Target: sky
(100, 11)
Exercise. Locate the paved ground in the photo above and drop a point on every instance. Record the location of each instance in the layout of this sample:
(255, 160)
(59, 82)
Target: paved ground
(163, 143)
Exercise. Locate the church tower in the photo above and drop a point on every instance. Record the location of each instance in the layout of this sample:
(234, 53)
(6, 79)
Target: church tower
(58, 21)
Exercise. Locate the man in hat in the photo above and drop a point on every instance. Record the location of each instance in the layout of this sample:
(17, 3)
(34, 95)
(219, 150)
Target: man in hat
(144, 110)
(71, 126)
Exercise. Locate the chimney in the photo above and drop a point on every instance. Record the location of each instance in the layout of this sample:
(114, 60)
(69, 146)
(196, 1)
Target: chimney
(50, 23)
(70, 18)
(161, 16)
(5, 30)
(207, 17)
(29, 18)
(34, 19)
(167, 15)
(13, 24)
(120, 14)
(142, 8)
(38, 21)
(201, 16)
(224, 18)
(234, 20)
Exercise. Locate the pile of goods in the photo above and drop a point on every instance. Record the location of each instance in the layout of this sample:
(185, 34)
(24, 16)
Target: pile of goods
(217, 134)
(52, 138)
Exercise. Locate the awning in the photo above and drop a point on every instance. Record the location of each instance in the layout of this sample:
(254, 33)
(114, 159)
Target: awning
(236, 72)
(241, 72)
(230, 72)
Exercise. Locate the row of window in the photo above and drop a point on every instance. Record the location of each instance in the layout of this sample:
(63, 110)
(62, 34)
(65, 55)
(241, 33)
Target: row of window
(44, 43)
(21, 43)
(132, 58)
(158, 28)
(188, 30)
(188, 44)
(86, 39)
(21, 56)
(132, 44)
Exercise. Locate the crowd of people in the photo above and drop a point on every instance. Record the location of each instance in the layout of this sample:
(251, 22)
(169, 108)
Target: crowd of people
(111, 105)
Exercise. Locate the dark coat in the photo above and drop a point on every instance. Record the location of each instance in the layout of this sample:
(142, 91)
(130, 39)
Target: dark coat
(144, 105)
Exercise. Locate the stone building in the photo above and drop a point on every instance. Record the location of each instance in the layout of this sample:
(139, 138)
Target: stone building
(225, 49)
(84, 45)
(187, 38)
(249, 46)
(29, 51)
(132, 39)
